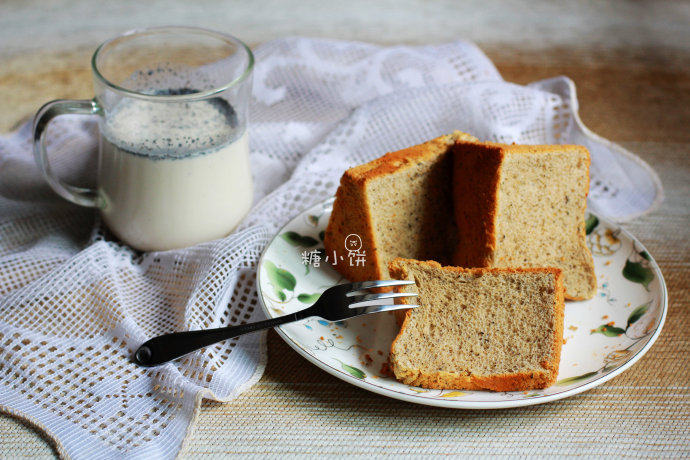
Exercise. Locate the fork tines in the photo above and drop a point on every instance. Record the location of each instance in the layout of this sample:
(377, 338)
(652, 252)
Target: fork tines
(357, 299)
(379, 301)
(376, 284)
(379, 308)
(344, 301)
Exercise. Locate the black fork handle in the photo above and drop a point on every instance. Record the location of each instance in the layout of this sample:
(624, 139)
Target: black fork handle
(164, 348)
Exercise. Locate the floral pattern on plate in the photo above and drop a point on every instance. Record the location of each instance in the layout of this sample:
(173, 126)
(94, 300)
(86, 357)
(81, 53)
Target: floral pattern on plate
(602, 336)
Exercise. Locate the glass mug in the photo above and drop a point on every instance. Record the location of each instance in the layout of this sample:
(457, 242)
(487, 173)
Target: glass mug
(173, 166)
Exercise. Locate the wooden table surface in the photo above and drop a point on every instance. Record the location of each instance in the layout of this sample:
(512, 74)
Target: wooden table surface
(631, 64)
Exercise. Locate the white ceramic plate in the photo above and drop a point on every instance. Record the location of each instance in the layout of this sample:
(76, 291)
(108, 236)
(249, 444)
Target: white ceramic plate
(603, 336)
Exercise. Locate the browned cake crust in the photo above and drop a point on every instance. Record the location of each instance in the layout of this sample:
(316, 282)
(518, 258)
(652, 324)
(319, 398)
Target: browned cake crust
(351, 209)
(477, 173)
(499, 382)
(351, 215)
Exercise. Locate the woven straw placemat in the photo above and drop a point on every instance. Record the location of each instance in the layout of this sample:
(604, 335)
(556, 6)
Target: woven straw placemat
(298, 409)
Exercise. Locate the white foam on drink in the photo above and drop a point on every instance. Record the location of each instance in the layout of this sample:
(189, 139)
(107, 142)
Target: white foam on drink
(170, 129)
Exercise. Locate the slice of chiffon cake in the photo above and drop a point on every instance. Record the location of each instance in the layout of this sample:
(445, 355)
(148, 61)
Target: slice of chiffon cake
(399, 205)
(524, 206)
(479, 328)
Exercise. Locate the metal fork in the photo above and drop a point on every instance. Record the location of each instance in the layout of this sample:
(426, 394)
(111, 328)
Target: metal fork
(336, 303)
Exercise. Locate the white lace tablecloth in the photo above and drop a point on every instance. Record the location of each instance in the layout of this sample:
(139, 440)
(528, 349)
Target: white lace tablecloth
(75, 304)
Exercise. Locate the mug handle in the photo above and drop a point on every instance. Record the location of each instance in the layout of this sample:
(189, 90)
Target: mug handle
(78, 195)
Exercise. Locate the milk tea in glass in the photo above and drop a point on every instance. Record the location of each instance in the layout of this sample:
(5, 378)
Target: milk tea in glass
(173, 167)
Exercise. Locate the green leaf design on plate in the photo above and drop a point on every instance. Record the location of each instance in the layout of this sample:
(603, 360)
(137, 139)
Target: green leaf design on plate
(577, 378)
(637, 314)
(645, 255)
(295, 239)
(280, 279)
(353, 371)
(309, 241)
(322, 234)
(591, 223)
(638, 273)
(308, 298)
(609, 331)
(314, 220)
(321, 252)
